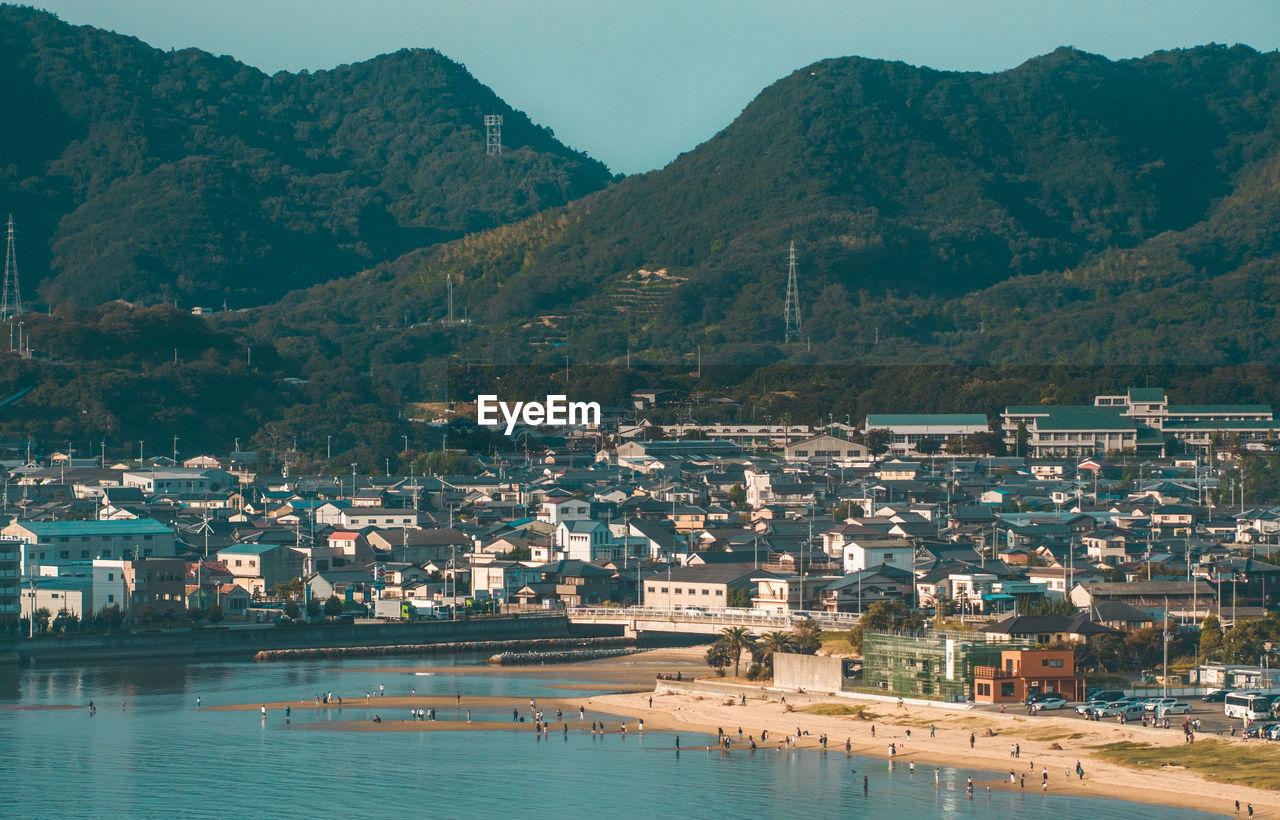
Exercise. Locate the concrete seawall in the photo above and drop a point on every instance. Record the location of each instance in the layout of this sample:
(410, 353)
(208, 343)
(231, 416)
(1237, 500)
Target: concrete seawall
(246, 643)
(530, 646)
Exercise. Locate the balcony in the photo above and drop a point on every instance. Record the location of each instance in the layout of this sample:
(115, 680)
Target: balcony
(992, 673)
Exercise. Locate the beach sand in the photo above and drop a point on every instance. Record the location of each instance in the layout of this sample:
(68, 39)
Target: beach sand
(700, 715)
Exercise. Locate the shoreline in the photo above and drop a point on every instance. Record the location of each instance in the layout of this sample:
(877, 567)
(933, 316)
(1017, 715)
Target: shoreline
(630, 684)
(1177, 786)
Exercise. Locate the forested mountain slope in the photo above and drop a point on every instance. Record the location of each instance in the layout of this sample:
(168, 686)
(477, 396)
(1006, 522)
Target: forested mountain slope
(138, 174)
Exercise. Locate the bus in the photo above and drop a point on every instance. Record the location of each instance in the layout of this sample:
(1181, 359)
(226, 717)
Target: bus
(1247, 705)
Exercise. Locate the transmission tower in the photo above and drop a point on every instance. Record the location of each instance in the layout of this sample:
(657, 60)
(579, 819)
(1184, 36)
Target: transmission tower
(493, 134)
(792, 310)
(11, 302)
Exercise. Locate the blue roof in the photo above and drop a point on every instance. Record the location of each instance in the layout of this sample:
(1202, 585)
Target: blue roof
(137, 526)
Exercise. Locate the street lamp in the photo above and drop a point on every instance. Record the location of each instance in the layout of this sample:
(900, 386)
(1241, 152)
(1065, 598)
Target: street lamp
(353, 479)
(31, 613)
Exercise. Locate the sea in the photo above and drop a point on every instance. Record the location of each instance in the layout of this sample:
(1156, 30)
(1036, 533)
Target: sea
(147, 751)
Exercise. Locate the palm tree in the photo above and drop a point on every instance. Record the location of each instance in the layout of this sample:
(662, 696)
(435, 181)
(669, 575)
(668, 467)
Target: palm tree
(772, 643)
(736, 639)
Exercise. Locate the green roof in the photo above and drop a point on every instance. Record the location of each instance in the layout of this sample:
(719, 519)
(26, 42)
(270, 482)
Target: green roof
(1218, 409)
(1087, 418)
(250, 549)
(1046, 409)
(138, 526)
(1253, 424)
(1146, 394)
(926, 420)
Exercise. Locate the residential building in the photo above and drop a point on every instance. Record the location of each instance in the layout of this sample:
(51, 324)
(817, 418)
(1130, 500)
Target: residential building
(10, 573)
(708, 586)
(258, 567)
(1021, 673)
(825, 449)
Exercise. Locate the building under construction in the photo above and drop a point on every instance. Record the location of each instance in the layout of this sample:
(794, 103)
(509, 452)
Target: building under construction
(935, 665)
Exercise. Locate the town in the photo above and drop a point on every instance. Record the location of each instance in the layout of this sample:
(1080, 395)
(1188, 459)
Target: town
(1126, 520)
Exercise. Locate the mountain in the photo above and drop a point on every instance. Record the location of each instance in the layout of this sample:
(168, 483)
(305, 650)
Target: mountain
(150, 176)
(950, 215)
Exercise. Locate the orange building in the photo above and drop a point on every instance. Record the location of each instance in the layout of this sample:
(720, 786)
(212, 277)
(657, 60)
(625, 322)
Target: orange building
(1026, 672)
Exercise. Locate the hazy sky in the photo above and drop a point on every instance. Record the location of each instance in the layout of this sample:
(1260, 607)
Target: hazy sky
(636, 83)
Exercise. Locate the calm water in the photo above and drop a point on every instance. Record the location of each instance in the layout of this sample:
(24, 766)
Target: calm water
(158, 757)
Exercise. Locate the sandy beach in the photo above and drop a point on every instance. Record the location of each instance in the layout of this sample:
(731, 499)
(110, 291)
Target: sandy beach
(701, 715)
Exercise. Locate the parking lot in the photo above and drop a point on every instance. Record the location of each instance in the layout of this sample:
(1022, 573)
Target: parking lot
(1212, 719)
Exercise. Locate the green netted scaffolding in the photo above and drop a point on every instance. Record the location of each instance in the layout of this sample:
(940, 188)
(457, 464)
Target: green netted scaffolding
(935, 664)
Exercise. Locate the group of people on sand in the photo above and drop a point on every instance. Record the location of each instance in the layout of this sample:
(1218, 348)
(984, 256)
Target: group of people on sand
(668, 676)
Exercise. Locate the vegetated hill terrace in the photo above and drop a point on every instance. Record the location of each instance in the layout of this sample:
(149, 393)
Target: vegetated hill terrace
(151, 176)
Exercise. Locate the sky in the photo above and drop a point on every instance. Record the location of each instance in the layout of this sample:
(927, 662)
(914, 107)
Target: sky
(634, 84)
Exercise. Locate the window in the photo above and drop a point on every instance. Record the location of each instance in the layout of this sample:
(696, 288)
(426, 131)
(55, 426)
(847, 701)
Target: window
(1006, 689)
(65, 554)
(237, 562)
(664, 589)
(111, 599)
(652, 589)
(678, 590)
(111, 576)
(1055, 663)
(984, 689)
(84, 553)
(706, 592)
(720, 593)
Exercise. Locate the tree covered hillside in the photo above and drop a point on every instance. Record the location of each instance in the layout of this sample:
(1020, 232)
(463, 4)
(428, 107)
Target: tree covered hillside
(149, 176)
(928, 208)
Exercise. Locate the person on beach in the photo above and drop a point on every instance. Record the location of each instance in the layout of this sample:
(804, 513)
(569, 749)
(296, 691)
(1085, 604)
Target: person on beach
(469, 718)
(651, 701)
(677, 743)
(288, 710)
(1022, 781)
(515, 715)
(911, 767)
(930, 730)
(864, 784)
(264, 710)
(848, 746)
(972, 738)
(457, 698)
(873, 730)
(197, 702)
(1011, 750)
(936, 775)
(1017, 750)
(582, 713)
(641, 726)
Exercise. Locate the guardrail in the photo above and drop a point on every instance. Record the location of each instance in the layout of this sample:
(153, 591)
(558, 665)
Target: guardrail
(744, 617)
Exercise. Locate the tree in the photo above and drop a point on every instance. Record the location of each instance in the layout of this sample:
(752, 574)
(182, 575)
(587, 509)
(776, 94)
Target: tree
(66, 621)
(736, 639)
(885, 616)
(42, 619)
(806, 637)
(770, 644)
(928, 446)
(1210, 638)
(877, 442)
(737, 497)
(215, 614)
(719, 657)
(313, 607)
(291, 609)
(333, 606)
(738, 598)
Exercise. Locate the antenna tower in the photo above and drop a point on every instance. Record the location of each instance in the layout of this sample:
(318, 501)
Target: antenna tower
(11, 301)
(493, 134)
(792, 311)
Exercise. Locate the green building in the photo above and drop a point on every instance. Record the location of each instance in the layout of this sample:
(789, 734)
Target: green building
(935, 665)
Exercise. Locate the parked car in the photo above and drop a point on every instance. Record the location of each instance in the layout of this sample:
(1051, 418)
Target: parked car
(1090, 707)
(1049, 702)
(1155, 704)
(1112, 709)
(1107, 695)
(1216, 697)
(1264, 730)
(1178, 707)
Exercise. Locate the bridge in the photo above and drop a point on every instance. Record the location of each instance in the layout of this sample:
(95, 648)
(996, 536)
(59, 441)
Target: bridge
(639, 619)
